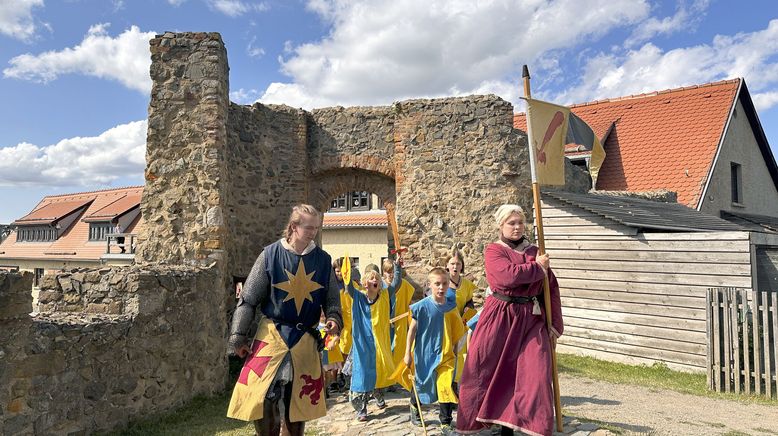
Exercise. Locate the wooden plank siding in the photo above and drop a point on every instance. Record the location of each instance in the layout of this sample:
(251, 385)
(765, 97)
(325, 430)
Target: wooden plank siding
(636, 297)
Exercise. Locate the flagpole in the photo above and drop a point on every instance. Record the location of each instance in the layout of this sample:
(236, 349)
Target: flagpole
(542, 250)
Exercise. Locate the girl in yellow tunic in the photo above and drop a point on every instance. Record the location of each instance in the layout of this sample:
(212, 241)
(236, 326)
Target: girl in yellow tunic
(401, 304)
(371, 352)
(463, 289)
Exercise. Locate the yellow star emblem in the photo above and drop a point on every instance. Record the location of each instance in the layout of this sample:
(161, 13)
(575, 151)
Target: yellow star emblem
(299, 286)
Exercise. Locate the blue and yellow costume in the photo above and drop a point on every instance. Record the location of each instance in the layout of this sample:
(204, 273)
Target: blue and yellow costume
(466, 309)
(401, 303)
(438, 337)
(371, 350)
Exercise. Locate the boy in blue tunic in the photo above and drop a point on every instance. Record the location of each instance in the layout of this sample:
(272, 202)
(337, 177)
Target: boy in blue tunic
(438, 333)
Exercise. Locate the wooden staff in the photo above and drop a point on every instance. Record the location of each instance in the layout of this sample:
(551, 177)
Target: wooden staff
(392, 218)
(542, 250)
(416, 394)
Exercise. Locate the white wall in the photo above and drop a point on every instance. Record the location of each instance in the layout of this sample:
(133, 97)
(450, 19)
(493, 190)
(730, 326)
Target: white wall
(759, 192)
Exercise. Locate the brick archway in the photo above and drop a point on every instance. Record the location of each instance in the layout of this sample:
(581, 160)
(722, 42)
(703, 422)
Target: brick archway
(328, 185)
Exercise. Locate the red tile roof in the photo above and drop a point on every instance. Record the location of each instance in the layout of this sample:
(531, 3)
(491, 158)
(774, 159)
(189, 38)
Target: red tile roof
(50, 212)
(74, 242)
(660, 140)
(118, 207)
(355, 219)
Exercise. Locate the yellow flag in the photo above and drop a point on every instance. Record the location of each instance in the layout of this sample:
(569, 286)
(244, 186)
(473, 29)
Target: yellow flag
(578, 132)
(547, 124)
(345, 269)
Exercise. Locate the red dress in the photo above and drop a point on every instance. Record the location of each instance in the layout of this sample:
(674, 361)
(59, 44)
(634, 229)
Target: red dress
(507, 374)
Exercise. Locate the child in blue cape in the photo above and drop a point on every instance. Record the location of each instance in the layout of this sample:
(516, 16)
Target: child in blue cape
(438, 333)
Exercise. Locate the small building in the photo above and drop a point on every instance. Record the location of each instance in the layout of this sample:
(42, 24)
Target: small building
(356, 225)
(704, 142)
(75, 231)
(634, 274)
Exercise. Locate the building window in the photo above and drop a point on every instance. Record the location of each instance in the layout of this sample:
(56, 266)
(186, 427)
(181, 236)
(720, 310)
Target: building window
(99, 231)
(37, 277)
(737, 182)
(339, 204)
(36, 234)
(355, 200)
(354, 263)
(360, 200)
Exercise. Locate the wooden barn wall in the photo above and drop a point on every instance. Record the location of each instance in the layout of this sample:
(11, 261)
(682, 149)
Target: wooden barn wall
(638, 297)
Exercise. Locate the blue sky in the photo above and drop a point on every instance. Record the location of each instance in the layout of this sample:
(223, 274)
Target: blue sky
(75, 83)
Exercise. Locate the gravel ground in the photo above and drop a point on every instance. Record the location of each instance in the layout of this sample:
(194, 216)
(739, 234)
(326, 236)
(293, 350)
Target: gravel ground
(641, 410)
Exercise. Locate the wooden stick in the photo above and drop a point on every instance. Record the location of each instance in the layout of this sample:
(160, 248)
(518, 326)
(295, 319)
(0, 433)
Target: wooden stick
(392, 218)
(542, 250)
(416, 394)
(399, 317)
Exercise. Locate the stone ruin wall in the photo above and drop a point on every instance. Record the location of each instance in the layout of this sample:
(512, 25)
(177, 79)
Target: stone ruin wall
(108, 345)
(447, 163)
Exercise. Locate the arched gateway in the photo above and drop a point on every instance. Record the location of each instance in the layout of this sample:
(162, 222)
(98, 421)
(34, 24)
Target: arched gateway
(221, 177)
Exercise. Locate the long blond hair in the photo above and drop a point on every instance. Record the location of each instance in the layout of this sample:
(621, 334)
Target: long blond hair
(296, 216)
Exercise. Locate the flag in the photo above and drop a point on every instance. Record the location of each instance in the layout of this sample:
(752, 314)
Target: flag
(345, 269)
(578, 132)
(547, 126)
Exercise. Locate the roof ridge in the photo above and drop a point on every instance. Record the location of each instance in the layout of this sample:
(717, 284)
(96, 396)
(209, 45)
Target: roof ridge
(646, 94)
(657, 93)
(72, 194)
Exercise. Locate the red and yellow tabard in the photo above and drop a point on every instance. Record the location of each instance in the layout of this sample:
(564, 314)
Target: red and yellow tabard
(258, 372)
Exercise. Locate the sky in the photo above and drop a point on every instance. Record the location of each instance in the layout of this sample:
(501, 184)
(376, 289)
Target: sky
(74, 89)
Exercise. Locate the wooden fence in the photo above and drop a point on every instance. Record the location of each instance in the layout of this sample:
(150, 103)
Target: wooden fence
(743, 341)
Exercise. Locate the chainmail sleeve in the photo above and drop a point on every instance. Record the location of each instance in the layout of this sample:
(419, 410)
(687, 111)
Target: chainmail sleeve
(255, 291)
(332, 309)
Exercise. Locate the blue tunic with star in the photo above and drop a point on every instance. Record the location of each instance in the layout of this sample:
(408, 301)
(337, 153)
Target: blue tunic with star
(298, 289)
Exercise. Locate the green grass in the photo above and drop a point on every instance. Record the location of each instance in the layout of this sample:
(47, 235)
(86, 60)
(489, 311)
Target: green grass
(200, 416)
(657, 376)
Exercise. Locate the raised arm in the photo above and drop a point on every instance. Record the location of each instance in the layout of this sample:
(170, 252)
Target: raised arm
(332, 309)
(502, 272)
(255, 291)
(397, 279)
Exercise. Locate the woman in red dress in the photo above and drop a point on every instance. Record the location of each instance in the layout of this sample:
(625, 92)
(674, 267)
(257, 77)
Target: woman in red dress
(507, 374)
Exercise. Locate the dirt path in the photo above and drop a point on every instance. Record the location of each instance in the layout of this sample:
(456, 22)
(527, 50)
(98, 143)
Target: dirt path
(633, 410)
(641, 410)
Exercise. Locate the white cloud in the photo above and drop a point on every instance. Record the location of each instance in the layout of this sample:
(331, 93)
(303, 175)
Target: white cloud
(244, 96)
(176, 2)
(254, 51)
(16, 18)
(765, 100)
(750, 55)
(685, 18)
(116, 153)
(384, 50)
(235, 8)
(124, 58)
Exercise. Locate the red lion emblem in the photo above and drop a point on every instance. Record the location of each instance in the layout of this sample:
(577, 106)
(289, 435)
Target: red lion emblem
(312, 387)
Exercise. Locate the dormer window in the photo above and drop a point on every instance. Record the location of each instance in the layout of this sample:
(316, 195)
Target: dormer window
(98, 231)
(36, 234)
